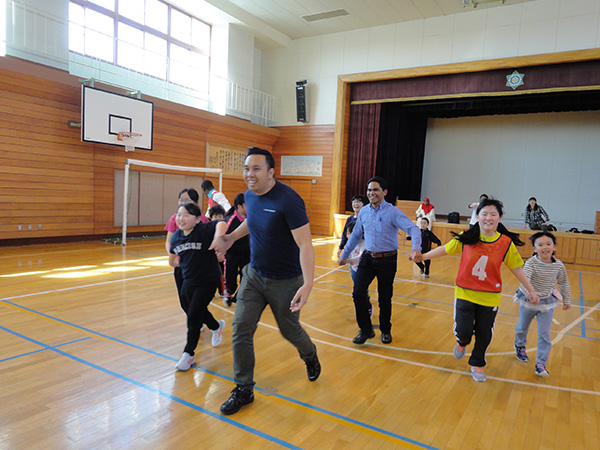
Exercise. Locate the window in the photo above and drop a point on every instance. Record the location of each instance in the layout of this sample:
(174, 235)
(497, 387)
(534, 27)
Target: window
(148, 36)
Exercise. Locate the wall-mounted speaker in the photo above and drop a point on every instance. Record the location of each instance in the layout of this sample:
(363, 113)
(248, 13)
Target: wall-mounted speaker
(301, 106)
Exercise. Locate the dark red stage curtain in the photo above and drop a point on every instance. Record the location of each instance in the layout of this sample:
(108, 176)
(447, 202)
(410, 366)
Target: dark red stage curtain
(362, 149)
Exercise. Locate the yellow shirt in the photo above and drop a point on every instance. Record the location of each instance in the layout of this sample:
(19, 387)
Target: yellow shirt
(512, 260)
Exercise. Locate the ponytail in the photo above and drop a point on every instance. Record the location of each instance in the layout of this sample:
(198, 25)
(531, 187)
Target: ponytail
(471, 236)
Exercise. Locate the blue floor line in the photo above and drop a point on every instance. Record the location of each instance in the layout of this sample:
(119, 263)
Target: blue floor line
(44, 349)
(155, 391)
(218, 375)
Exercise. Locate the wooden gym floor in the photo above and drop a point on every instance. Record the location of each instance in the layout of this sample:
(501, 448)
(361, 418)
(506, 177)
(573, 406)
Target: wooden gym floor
(90, 334)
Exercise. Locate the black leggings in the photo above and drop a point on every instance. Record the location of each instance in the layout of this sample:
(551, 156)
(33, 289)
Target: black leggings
(233, 267)
(195, 301)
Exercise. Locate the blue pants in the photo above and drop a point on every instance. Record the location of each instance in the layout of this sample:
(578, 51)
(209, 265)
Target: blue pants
(544, 321)
(254, 294)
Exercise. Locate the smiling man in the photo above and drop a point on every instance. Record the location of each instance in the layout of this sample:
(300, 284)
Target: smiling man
(378, 225)
(280, 273)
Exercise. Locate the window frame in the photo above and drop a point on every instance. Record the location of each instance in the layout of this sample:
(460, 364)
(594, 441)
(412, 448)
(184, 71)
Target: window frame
(117, 18)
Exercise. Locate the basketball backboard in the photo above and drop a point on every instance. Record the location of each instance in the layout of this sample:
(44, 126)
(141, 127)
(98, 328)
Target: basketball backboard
(104, 114)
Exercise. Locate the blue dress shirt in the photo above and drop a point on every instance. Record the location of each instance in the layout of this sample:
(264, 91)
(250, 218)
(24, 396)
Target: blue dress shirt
(379, 228)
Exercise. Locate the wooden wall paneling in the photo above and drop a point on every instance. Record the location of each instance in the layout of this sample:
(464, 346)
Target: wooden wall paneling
(42, 159)
(588, 250)
(409, 207)
(311, 140)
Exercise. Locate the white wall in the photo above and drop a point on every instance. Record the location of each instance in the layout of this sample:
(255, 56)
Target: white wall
(551, 156)
(240, 66)
(36, 30)
(542, 26)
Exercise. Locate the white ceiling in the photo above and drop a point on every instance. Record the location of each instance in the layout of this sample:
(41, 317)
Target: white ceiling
(277, 22)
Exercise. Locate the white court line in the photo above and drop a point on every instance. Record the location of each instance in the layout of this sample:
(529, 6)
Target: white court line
(335, 269)
(574, 323)
(391, 358)
(86, 286)
(427, 366)
(557, 339)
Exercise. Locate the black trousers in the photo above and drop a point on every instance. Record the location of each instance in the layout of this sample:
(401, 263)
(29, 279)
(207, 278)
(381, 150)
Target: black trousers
(424, 266)
(369, 268)
(473, 319)
(233, 267)
(195, 301)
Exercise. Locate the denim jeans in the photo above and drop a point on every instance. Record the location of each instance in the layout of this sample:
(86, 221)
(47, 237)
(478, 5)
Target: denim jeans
(544, 321)
(254, 294)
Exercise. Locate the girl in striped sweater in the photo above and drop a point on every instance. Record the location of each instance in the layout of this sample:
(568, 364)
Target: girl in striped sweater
(545, 272)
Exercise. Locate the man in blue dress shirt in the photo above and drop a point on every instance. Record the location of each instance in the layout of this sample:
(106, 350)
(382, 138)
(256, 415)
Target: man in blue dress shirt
(378, 224)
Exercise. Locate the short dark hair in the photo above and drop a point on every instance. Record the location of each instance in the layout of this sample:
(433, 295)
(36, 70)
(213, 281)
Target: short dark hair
(261, 151)
(216, 210)
(192, 208)
(207, 185)
(424, 218)
(192, 194)
(380, 180)
(362, 198)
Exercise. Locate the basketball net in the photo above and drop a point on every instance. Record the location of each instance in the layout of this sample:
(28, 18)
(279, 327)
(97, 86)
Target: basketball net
(129, 139)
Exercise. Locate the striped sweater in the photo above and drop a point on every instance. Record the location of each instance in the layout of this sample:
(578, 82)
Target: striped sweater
(544, 279)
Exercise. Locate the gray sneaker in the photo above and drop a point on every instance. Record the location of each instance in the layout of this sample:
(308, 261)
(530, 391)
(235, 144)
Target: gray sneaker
(478, 373)
(459, 351)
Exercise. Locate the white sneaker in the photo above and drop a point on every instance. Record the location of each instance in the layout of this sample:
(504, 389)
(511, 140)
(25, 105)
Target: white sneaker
(185, 362)
(217, 335)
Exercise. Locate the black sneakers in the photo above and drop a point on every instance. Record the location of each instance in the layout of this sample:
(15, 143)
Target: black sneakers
(313, 369)
(239, 397)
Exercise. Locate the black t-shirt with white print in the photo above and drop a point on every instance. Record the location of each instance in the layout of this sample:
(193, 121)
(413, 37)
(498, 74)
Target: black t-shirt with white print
(199, 265)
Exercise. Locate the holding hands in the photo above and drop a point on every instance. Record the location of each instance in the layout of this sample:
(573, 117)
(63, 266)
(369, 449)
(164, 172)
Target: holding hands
(415, 256)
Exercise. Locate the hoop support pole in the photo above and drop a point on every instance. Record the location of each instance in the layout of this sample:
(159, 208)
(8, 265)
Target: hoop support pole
(125, 190)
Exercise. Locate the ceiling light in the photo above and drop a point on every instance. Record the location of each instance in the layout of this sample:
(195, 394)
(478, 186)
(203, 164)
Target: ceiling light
(474, 3)
(325, 15)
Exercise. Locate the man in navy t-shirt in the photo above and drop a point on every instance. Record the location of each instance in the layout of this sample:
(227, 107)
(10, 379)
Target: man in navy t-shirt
(280, 273)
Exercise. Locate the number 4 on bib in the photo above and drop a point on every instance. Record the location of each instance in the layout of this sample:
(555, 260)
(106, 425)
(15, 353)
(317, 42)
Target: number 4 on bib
(479, 268)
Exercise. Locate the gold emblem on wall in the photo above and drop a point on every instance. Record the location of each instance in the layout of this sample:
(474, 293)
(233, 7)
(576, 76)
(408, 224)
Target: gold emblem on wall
(228, 158)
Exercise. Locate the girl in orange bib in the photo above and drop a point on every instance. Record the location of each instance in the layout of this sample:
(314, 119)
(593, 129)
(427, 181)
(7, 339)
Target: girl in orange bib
(478, 290)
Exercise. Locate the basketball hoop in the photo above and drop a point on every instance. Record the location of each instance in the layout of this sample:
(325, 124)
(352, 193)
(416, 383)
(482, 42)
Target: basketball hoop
(129, 139)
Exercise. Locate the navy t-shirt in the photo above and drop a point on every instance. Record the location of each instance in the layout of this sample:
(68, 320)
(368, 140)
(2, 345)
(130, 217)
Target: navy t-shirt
(271, 217)
(198, 264)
